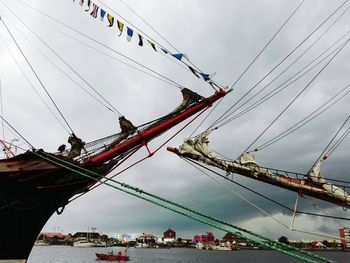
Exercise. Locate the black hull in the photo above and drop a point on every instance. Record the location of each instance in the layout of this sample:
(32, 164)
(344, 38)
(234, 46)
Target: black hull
(29, 195)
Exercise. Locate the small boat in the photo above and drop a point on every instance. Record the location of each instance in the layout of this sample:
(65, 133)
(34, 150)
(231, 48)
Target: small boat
(112, 257)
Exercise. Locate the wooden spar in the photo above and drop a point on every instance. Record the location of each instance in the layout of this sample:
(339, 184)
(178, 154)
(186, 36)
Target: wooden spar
(149, 133)
(269, 176)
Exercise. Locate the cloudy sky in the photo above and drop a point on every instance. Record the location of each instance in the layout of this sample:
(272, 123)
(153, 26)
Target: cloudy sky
(218, 36)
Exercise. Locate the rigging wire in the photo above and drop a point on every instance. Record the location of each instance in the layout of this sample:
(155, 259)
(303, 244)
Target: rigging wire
(279, 63)
(24, 139)
(41, 83)
(262, 210)
(290, 65)
(99, 51)
(332, 140)
(285, 84)
(175, 84)
(67, 64)
(263, 196)
(2, 111)
(143, 20)
(32, 85)
(268, 43)
(298, 95)
(193, 214)
(305, 120)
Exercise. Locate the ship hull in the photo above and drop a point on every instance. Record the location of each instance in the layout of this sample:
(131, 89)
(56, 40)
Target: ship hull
(31, 190)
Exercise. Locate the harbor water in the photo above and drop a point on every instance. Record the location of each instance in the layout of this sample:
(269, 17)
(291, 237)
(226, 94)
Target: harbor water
(64, 254)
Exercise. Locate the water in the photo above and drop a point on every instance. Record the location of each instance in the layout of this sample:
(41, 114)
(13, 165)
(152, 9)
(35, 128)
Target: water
(63, 254)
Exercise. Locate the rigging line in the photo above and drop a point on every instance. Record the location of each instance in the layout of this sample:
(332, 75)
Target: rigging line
(299, 94)
(2, 111)
(42, 85)
(175, 84)
(268, 43)
(257, 207)
(211, 111)
(32, 85)
(279, 63)
(339, 142)
(291, 64)
(237, 194)
(100, 51)
(64, 73)
(126, 188)
(328, 145)
(67, 64)
(281, 87)
(143, 20)
(24, 139)
(296, 127)
(263, 196)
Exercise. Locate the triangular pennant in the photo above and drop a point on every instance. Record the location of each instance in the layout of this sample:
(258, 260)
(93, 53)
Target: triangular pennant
(164, 50)
(195, 72)
(206, 77)
(152, 45)
(102, 14)
(178, 56)
(129, 33)
(88, 5)
(110, 20)
(140, 40)
(120, 26)
(94, 11)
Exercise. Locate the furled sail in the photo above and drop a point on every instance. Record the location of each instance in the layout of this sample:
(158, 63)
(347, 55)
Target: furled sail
(313, 184)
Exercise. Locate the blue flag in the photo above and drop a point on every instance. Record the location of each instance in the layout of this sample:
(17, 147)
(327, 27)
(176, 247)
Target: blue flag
(206, 77)
(178, 56)
(102, 14)
(129, 33)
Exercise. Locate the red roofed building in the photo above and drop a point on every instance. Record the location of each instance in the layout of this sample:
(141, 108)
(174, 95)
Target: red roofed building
(169, 234)
(209, 237)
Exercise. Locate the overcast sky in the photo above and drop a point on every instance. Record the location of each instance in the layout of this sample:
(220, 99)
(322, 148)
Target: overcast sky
(218, 36)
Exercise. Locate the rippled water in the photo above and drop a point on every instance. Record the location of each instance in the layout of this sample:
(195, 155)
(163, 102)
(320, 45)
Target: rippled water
(63, 254)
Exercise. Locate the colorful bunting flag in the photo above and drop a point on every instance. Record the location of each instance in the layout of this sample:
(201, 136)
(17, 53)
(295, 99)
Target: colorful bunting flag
(120, 26)
(81, 2)
(102, 14)
(129, 33)
(94, 11)
(164, 50)
(206, 77)
(152, 45)
(140, 40)
(195, 72)
(178, 56)
(88, 5)
(110, 20)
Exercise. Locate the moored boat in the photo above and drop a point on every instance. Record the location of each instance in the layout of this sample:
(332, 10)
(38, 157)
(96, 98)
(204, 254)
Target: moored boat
(112, 257)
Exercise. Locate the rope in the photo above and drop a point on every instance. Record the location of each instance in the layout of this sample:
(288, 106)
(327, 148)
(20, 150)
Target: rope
(24, 139)
(299, 94)
(268, 43)
(175, 84)
(65, 62)
(278, 64)
(137, 193)
(37, 77)
(32, 85)
(305, 120)
(282, 86)
(259, 208)
(264, 196)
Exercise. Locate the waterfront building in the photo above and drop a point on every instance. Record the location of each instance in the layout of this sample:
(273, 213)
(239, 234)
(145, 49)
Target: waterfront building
(169, 234)
(209, 237)
(344, 233)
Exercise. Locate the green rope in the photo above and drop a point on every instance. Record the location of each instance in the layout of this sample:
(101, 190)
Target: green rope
(95, 176)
